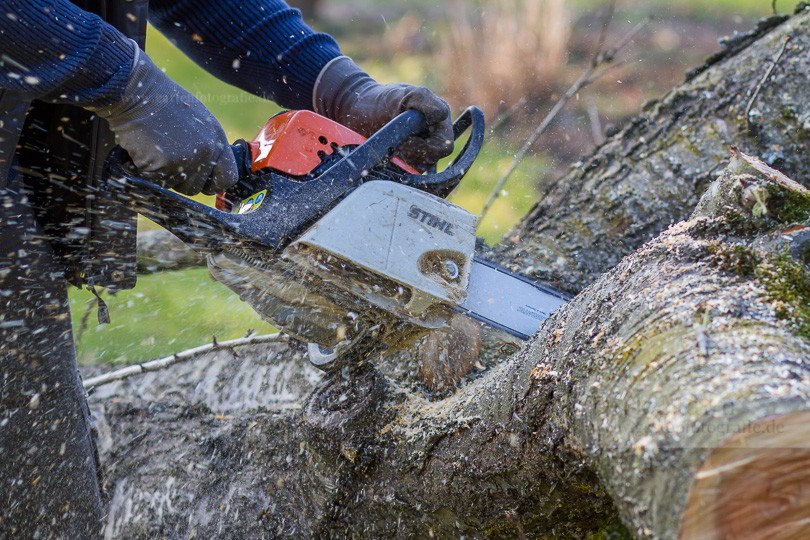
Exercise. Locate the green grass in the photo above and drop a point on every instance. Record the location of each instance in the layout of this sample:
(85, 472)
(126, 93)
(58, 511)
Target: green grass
(743, 7)
(701, 7)
(165, 313)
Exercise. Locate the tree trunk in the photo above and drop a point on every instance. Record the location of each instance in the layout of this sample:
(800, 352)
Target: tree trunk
(652, 173)
(672, 392)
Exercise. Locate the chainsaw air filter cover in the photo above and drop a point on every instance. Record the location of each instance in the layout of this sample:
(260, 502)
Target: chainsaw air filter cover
(294, 143)
(418, 241)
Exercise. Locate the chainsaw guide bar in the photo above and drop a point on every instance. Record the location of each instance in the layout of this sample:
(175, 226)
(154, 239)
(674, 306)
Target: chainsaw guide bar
(339, 244)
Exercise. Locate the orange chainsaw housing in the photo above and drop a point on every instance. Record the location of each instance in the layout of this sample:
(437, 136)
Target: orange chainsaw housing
(290, 142)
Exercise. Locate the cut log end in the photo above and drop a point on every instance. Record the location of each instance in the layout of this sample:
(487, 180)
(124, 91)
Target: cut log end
(757, 485)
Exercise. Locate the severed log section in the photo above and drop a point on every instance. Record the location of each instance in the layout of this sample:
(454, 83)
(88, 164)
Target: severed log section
(753, 485)
(673, 393)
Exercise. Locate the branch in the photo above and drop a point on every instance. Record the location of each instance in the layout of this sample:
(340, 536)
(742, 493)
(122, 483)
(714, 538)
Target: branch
(189, 354)
(85, 318)
(498, 122)
(600, 58)
(603, 32)
(762, 82)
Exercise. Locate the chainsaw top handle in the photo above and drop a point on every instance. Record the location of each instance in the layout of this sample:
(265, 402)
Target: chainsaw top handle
(384, 143)
(377, 150)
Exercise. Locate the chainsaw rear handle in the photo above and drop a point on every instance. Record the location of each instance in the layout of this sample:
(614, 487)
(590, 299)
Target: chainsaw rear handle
(379, 148)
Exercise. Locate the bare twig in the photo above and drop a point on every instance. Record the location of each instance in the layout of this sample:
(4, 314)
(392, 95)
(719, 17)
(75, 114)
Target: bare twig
(603, 32)
(601, 57)
(605, 70)
(596, 124)
(628, 37)
(506, 115)
(85, 318)
(189, 354)
(762, 82)
(526, 146)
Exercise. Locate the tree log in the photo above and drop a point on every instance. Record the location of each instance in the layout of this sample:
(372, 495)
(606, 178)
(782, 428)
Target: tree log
(652, 173)
(649, 396)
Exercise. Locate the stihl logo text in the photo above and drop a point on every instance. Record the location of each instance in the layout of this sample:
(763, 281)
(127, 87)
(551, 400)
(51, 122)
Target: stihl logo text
(430, 220)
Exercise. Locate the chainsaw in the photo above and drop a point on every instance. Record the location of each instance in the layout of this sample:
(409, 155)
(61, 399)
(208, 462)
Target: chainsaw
(340, 244)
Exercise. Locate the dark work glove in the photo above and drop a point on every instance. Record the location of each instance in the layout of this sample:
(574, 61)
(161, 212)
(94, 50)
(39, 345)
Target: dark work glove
(346, 94)
(170, 136)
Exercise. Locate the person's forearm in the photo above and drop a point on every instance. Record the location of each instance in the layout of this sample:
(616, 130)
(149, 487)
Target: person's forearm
(261, 46)
(53, 50)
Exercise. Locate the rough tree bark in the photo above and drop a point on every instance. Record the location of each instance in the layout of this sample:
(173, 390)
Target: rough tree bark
(652, 173)
(679, 374)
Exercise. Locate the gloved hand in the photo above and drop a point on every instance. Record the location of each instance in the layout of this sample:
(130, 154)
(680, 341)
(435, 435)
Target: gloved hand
(170, 136)
(346, 94)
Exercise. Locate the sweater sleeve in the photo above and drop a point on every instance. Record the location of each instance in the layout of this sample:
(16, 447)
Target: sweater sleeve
(52, 49)
(261, 46)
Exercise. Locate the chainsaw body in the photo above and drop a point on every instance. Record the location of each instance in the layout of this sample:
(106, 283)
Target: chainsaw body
(418, 246)
(328, 236)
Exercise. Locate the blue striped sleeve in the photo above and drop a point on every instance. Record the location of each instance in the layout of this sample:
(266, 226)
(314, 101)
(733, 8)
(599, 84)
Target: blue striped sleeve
(51, 49)
(261, 46)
